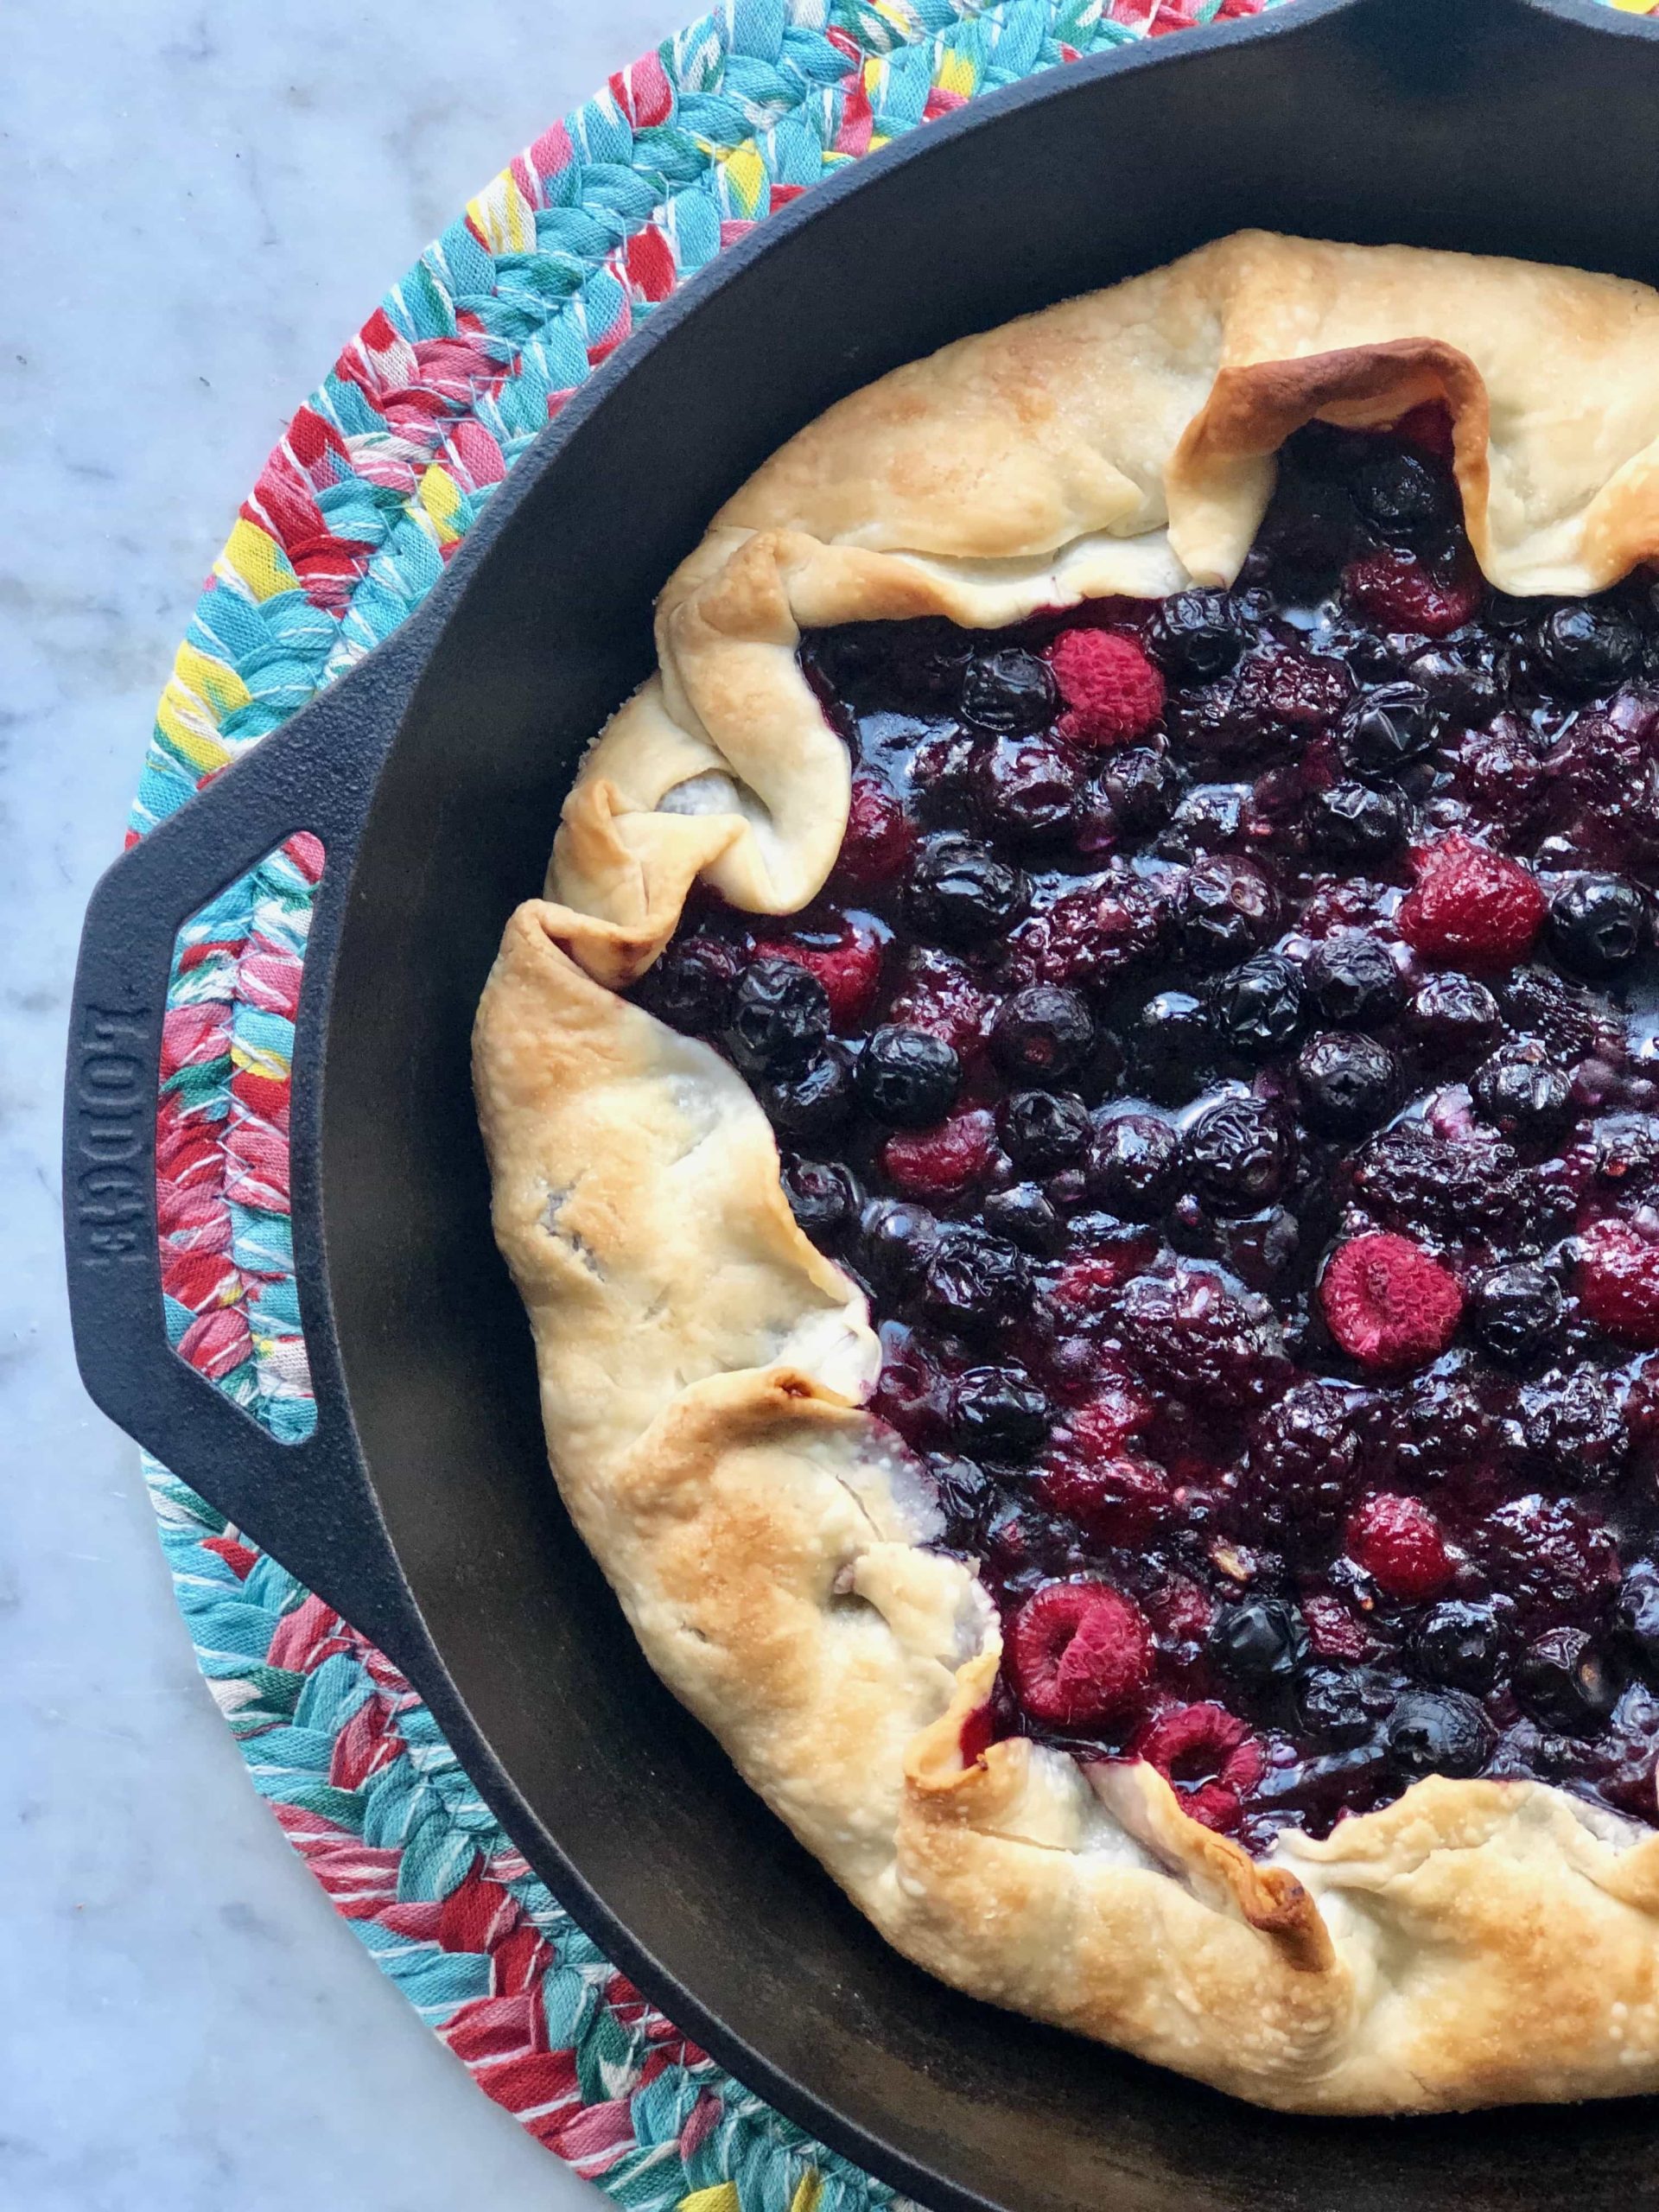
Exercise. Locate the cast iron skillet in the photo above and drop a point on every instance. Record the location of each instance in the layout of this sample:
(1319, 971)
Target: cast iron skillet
(421, 1508)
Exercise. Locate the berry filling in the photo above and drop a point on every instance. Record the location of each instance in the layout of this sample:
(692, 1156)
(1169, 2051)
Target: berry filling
(1227, 1054)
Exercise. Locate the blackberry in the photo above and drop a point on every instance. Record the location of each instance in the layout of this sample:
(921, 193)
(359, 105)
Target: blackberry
(1301, 1467)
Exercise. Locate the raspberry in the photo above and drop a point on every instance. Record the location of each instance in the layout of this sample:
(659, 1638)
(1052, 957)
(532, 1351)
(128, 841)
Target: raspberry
(1332, 1631)
(1120, 1500)
(943, 1162)
(1619, 1282)
(1207, 1755)
(1388, 1304)
(1470, 906)
(1078, 1652)
(1112, 691)
(1429, 426)
(878, 837)
(937, 994)
(1085, 1293)
(1398, 1543)
(849, 965)
(1399, 593)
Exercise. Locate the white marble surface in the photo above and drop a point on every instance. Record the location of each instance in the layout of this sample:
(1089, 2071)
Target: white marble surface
(196, 207)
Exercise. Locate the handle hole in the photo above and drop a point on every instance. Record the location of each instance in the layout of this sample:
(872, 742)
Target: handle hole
(228, 1287)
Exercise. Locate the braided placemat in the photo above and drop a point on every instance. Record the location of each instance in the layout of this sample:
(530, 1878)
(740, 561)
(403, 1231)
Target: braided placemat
(379, 477)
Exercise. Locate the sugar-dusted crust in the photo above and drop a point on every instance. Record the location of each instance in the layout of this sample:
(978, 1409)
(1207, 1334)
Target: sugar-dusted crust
(702, 1365)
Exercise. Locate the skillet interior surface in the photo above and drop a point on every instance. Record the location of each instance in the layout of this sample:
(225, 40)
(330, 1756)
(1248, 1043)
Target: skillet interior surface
(1489, 125)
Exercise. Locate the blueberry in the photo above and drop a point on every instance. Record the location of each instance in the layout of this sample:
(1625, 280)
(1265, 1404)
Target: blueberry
(972, 1279)
(824, 1197)
(1141, 788)
(1459, 1644)
(1348, 1082)
(1259, 1641)
(1027, 1217)
(1172, 1043)
(907, 1078)
(1454, 1016)
(1043, 1031)
(1516, 1311)
(1198, 636)
(1009, 693)
(1565, 1683)
(998, 1413)
(1405, 498)
(1588, 645)
(965, 1496)
(919, 666)
(811, 1101)
(1465, 681)
(1637, 1612)
(1211, 817)
(1438, 1731)
(780, 1017)
(690, 986)
(1352, 980)
(1028, 788)
(1597, 925)
(1042, 1130)
(1226, 909)
(896, 1238)
(1343, 1706)
(1522, 1094)
(1352, 822)
(963, 895)
(1256, 1009)
(1131, 1166)
(1386, 728)
(1236, 1155)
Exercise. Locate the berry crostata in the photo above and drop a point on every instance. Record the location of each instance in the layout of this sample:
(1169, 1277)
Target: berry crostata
(1079, 1129)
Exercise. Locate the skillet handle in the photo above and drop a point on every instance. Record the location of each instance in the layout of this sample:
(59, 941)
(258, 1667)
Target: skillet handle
(309, 1503)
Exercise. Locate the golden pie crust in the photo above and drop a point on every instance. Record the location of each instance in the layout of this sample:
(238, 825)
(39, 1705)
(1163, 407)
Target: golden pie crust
(702, 1365)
